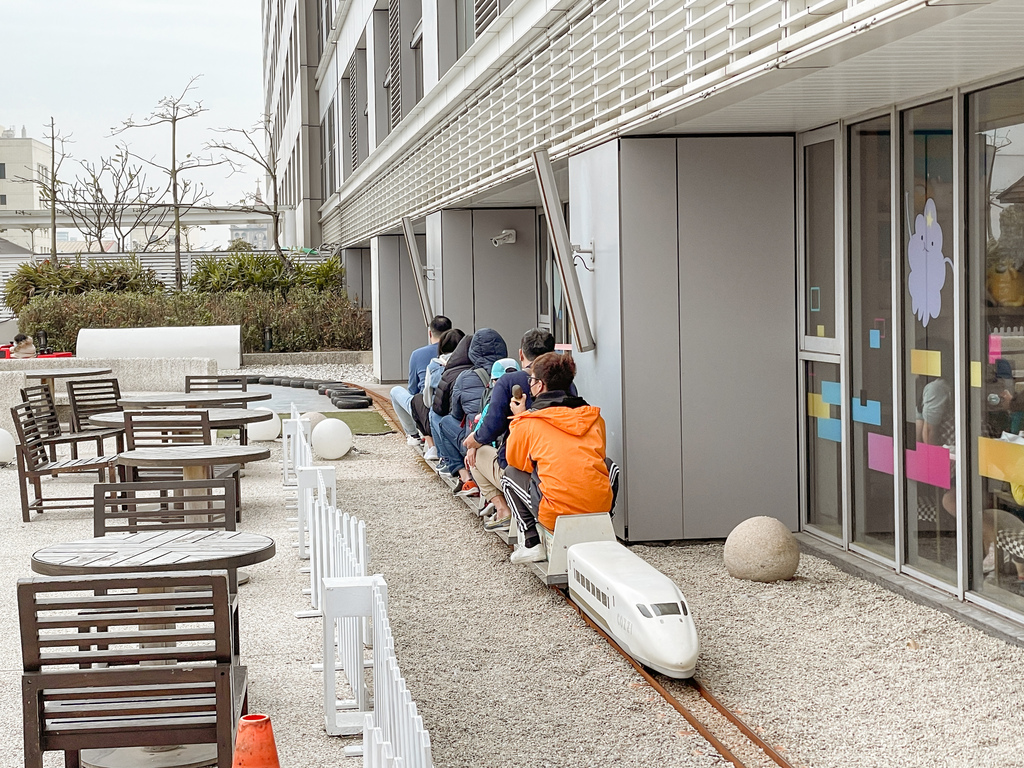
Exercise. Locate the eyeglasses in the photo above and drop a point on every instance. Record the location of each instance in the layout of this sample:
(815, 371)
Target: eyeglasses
(534, 379)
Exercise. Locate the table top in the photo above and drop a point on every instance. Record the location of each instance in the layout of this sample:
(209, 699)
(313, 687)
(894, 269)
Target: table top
(64, 373)
(154, 551)
(219, 417)
(192, 455)
(189, 399)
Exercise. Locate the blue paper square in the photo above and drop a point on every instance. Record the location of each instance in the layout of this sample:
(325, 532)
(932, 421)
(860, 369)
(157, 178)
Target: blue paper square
(875, 338)
(830, 392)
(830, 429)
(869, 413)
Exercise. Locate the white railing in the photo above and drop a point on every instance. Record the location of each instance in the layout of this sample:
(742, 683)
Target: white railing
(393, 735)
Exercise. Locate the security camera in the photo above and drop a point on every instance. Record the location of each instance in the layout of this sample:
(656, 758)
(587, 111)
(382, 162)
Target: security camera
(507, 237)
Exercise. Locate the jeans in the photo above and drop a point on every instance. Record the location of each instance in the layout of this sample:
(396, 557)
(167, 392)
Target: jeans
(401, 399)
(447, 434)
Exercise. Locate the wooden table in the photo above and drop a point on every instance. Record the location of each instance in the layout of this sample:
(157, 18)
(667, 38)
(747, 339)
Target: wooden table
(146, 552)
(189, 399)
(47, 375)
(220, 418)
(195, 460)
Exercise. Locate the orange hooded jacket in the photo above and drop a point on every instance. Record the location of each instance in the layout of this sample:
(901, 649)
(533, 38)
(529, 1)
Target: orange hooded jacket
(567, 445)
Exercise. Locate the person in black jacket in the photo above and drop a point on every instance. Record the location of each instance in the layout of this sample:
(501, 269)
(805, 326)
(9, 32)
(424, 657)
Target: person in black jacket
(457, 363)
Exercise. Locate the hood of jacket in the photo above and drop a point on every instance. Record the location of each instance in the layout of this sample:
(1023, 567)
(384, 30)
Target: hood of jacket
(460, 355)
(575, 421)
(486, 348)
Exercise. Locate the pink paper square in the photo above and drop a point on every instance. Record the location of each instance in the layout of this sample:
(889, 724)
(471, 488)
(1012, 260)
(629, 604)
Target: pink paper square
(880, 456)
(995, 348)
(929, 464)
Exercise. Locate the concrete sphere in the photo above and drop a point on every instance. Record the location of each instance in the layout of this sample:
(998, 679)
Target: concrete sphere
(7, 450)
(314, 418)
(331, 439)
(263, 431)
(761, 549)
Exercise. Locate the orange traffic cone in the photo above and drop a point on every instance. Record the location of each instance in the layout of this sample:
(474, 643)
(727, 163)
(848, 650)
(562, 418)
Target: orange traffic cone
(254, 744)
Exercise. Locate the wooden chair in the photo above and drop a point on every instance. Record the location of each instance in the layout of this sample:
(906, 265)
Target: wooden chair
(156, 428)
(222, 384)
(41, 400)
(35, 462)
(128, 660)
(89, 397)
(132, 507)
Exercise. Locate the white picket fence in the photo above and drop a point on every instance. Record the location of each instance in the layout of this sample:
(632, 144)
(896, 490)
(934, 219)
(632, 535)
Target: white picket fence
(354, 610)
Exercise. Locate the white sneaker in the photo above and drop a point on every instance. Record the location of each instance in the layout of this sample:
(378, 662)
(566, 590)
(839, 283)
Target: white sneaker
(529, 554)
(431, 453)
(989, 563)
(412, 440)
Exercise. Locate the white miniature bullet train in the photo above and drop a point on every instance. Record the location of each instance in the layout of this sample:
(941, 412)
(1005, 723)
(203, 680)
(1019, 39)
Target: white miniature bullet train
(640, 607)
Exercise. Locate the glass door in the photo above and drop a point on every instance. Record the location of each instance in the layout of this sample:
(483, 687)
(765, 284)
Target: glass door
(873, 505)
(820, 281)
(928, 441)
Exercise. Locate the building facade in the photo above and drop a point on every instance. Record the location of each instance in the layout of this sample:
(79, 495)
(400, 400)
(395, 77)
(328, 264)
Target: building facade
(23, 159)
(800, 231)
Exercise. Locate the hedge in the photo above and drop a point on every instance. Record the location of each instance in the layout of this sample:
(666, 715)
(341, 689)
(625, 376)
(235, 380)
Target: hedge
(306, 320)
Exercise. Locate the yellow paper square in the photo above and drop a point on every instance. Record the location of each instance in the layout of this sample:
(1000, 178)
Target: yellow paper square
(817, 407)
(926, 362)
(1000, 460)
(975, 373)
(821, 330)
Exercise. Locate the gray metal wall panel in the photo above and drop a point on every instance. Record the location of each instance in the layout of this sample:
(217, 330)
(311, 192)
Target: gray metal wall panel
(594, 216)
(432, 256)
(414, 330)
(738, 331)
(387, 319)
(505, 278)
(650, 338)
(456, 262)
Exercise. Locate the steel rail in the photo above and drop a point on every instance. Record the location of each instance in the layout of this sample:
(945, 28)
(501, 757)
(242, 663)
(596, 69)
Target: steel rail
(690, 717)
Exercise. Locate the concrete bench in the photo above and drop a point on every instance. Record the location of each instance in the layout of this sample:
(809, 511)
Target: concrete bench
(221, 342)
(134, 374)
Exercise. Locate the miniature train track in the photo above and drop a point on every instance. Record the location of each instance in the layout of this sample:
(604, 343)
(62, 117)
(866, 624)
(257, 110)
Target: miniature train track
(740, 735)
(729, 726)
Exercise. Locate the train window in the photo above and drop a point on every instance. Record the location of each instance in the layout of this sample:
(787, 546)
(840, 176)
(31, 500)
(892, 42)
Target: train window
(665, 609)
(686, 611)
(643, 610)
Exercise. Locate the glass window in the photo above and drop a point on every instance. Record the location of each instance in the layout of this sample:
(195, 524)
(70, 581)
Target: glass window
(927, 221)
(665, 609)
(824, 454)
(873, 496)
(643, 610)
(3, 170)
(995, 301)
(820, 239)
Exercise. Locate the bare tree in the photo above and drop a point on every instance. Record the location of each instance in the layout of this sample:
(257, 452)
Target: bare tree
(257, 145)
(48, 183)
(172, 110)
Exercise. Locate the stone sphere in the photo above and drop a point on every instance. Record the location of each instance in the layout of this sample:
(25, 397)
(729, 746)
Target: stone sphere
(314, 418)
(761, 549)
(7, 449)
(262, 431)
(331, 439)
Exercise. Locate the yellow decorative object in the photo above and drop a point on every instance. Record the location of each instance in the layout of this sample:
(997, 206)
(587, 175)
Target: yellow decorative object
(975, 373)
(817, 407)
(925, 362)
(1006, 286)
(1001, 460)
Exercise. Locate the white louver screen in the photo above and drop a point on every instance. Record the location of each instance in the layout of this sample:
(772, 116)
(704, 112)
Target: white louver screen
(353, 117)
(484, 12)
(597, 69)
(395, 56)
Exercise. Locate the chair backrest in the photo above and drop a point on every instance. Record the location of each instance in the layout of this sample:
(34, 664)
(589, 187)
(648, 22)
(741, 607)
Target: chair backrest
(45, 411)
(89, 397)
(153, 429)
(161, 505)
(173, 617)
(31, 437)
(218, 384)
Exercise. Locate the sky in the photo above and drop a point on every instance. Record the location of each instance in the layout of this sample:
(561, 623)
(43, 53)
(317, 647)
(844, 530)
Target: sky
(93, 64)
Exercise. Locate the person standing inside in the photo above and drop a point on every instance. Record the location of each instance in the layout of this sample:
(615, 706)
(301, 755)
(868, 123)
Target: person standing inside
(401, 397)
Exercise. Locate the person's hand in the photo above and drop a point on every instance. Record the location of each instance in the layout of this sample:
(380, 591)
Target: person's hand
(517, 406)
(471, 441)
(471, 458)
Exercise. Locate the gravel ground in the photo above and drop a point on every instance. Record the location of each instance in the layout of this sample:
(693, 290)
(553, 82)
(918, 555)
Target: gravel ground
(833, 670)
(325, 372)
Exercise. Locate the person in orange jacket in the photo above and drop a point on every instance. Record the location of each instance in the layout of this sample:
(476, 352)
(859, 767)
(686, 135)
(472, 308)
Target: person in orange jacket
(556, 455)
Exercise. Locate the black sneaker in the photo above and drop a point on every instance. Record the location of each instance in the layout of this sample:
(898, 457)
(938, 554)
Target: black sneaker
(459, 487)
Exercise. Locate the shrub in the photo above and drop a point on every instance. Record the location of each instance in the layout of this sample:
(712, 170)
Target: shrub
(306, 320)
(74, 277)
